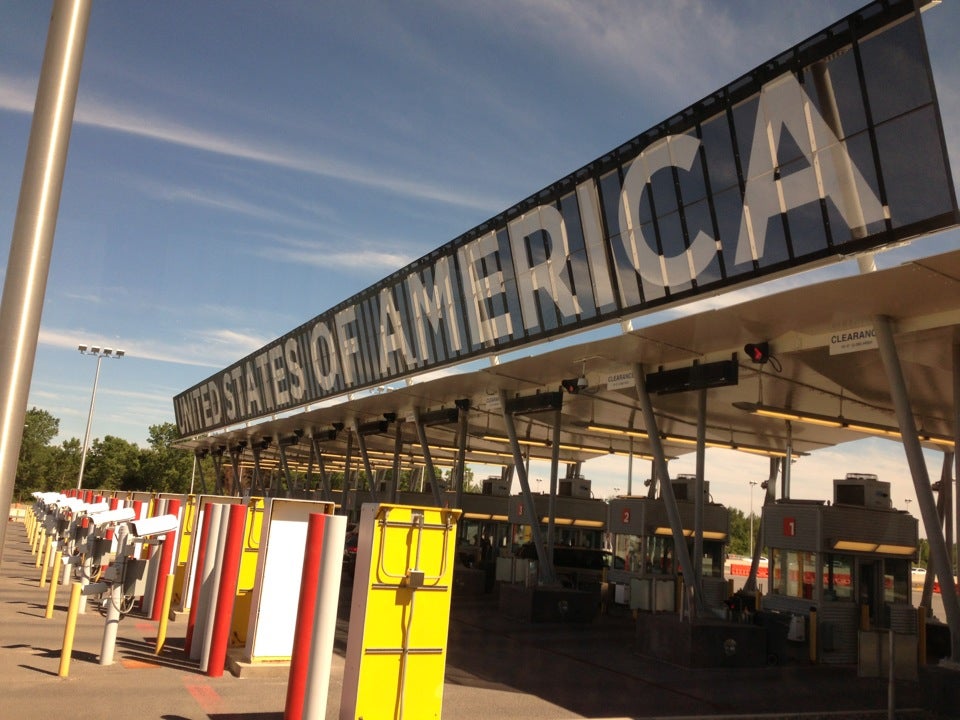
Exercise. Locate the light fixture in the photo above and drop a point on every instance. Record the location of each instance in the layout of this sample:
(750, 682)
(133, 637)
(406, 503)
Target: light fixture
(871, 429)
(520, 441)
(895, 549)
(867, 428)
(629, 432)
(92, 350)
(855, 546)
(784, 414)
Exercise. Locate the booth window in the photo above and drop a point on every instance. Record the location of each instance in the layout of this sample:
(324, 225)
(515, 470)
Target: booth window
(794, 573)
(896, 581)
(837, 577)
(712, 563)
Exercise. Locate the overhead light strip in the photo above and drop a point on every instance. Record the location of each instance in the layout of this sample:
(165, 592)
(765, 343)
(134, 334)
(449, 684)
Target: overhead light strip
(840, 422)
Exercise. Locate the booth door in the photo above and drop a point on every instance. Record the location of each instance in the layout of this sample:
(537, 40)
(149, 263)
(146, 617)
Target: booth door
(869, 592)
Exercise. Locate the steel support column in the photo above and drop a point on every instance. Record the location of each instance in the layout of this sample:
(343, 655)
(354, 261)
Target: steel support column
(459, 468)
(700, 470)
(680, 552)
(921, 479)
(427, 458)
(237, 488)
(545, 560)
(367, 468)
(31, 245)
(285, 470)
(554, 472)
(317, 452)
(769, 496)
(347, 479)
(198, 466)
(257, 487)
(397, 449)
(956, 438)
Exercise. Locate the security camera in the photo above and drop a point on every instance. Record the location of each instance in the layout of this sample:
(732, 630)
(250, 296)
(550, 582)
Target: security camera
(582, 382)
(153, 526)
(71, 504)
(94, 508)
(107, 517)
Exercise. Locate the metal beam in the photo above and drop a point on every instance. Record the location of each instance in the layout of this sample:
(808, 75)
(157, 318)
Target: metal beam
(699, 483)
(769, 496)
(921, 480)
(680, 552)
(427, 457)
(460, 465)
(554, 471)
(545, 560)
(367, 468)
(397, 448)
(31, 245)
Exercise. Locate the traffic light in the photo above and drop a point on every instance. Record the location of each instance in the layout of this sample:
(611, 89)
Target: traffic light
(572, 385)
(758, 352)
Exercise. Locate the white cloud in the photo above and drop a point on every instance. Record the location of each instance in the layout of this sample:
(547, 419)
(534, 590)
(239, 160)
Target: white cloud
(109, 115)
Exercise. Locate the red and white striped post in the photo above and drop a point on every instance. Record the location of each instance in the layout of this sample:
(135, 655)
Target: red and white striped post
(166, 561)
(311, 658)
(197, 578)
(229, 575)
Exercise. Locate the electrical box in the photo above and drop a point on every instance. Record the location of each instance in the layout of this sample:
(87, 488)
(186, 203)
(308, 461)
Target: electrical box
(134, 577)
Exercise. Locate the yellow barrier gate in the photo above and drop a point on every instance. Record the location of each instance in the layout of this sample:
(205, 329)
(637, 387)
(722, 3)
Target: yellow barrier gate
(400, 613)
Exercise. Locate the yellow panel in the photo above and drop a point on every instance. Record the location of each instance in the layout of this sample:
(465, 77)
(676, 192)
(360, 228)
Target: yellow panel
(248, 573)
(395, 667)
(183, 550)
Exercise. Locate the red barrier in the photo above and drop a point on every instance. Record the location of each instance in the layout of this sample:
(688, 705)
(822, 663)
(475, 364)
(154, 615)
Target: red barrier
(306, 612)
(114, 503)
(166, 562)
(229, 575)
(201, 550)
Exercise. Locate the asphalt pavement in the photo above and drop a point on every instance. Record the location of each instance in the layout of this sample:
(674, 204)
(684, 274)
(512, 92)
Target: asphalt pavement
(496, 668)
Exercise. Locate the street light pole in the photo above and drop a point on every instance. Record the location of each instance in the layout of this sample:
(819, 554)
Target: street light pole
(752, 484)
(101, 353)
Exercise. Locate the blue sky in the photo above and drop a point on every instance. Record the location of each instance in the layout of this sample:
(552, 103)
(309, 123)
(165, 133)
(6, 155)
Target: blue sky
(237, 168)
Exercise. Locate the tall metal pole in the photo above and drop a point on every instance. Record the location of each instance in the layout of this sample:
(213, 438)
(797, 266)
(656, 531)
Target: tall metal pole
(32, 243)
(86, 435)
(921, 479)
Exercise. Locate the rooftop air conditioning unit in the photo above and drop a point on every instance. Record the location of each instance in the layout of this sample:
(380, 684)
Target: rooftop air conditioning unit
(574, 487)
(862, 490)
(495, 486)
(685, 488)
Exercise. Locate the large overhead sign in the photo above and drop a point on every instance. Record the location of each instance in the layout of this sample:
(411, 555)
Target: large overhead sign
(833, 147)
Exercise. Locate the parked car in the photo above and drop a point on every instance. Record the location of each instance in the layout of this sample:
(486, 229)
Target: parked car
(576, 566)
(350, 552)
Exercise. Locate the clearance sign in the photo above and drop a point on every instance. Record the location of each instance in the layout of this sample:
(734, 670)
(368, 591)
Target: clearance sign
(834, 147)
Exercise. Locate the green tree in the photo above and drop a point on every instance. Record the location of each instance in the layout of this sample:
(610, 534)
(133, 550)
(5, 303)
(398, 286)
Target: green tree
(740, 532)
(113, 464)
(164, 468)
(36, 455)
(64, 465)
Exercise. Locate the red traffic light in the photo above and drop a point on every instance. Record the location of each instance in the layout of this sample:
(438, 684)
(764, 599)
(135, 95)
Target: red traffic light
(572, 385)
(757, 352)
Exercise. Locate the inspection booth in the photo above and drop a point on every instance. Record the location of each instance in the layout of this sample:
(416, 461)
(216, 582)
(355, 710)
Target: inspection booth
(849, 561)
(581, 557)
(650, 579)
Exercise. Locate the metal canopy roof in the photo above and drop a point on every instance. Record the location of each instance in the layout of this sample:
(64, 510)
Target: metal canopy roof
(921, 297)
